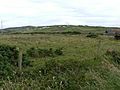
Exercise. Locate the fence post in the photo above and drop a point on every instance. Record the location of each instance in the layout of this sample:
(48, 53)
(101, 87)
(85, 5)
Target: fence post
(20, 59)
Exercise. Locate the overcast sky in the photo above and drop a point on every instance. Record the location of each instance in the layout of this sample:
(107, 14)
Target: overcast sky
(54, 12)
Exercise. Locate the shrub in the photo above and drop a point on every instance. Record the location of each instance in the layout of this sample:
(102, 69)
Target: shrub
(92, 35)
(9, 60)
(9, 53)
(59, 51)
(33, 52)
(117, 36)
(6, 69)
(26, 62)
(71, 32)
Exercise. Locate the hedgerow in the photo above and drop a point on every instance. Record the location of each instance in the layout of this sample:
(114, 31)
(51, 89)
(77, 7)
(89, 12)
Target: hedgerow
(9, 60)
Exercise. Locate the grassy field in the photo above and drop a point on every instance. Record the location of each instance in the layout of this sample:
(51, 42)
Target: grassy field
(84, 64)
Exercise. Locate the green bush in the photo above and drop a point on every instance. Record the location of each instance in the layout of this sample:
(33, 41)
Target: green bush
(9, 60)
(9, 53)
(117, 36)
(59, 51)
(92, 35)
(71, 32)
(25, 60)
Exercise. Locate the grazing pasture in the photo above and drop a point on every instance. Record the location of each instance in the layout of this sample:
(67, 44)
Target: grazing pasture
(81, 63)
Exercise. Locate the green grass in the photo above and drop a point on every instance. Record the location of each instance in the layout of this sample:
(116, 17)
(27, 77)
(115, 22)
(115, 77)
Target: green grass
(83, 66)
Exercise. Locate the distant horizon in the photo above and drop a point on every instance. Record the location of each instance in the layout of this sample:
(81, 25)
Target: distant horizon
(3, 26)
(59, 25)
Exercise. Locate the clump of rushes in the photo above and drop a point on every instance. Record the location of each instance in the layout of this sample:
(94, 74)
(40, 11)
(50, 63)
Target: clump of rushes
(92, 35)
(114, 54)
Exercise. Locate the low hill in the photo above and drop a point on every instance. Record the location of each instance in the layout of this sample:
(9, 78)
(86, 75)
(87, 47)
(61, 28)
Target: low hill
(55, 29)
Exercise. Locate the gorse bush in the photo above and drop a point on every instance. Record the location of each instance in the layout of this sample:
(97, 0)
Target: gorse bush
(9, 53)
(92, 35)
(38, 52)
(9, 60)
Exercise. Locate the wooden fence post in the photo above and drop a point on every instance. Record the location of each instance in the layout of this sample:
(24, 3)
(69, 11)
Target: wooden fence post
(20, 59)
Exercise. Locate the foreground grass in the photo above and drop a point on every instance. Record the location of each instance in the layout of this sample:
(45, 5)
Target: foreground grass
(84, 65)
